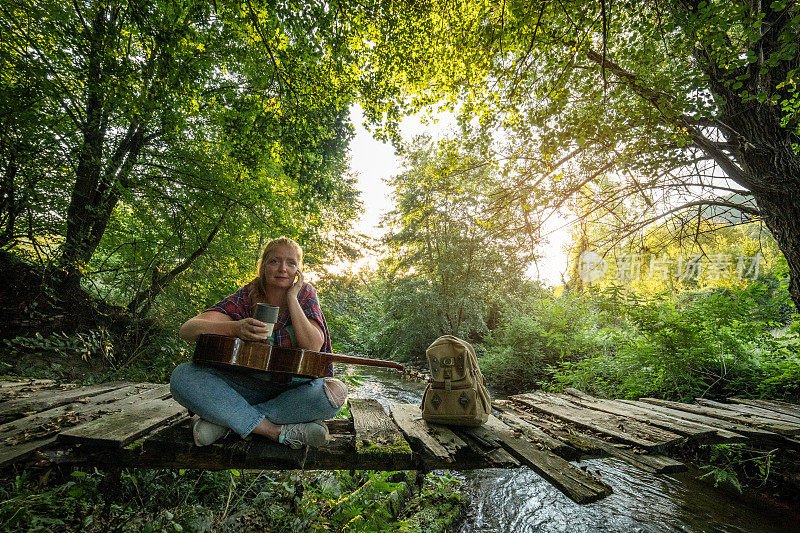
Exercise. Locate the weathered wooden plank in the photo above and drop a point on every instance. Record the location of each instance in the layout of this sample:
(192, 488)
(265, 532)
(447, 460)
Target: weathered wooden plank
(655, 463)
(579, 486)
(454, 444)
(408, 418)
(258, 451)
(375, 433)
(464, 454)
(173, 447)
(625, 429)
(340, 454)
(789, 405)
(14, 383)
(46, 399)
(676, 425)
(53, 418)
(121, 428)
(772, 405)
(487, 445)
(498, 458)
(487, 448)
(752, 410)
(24, 435)
(590, 444)
(15, 388)
(22, 450)
(553, 426)
(724, 414)
(748, 431)
(512, 418)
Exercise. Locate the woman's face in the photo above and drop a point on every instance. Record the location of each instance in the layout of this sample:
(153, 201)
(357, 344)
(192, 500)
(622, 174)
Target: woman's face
(282, 265)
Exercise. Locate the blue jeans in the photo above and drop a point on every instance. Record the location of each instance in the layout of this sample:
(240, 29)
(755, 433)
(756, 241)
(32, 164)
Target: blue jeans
(241, 399)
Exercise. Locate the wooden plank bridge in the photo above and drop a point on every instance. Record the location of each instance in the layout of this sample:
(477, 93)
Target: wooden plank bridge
(116, 425)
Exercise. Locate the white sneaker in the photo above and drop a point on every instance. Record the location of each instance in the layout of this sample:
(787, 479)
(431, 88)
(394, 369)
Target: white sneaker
(314, 434)
(205, 432)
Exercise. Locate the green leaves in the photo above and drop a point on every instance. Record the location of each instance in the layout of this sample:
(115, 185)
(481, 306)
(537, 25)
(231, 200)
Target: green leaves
(446, 253)
(635, 108)
(170, 131)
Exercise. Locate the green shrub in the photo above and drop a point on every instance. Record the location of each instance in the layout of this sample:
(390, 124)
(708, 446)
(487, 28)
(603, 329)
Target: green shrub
(526, 348)
(710, 344)
(92, 344)
(230, 500)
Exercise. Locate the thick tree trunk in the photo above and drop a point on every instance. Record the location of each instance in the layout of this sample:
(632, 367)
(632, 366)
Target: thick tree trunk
(763, 150)
(782, 217)
(101, 167)
(760, 140)
(76, 249)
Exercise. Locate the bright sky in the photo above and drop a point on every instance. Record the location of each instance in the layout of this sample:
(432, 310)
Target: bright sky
(373, 161)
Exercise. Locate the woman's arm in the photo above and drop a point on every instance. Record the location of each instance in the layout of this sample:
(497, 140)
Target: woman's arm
(309, 333)
(248, 329)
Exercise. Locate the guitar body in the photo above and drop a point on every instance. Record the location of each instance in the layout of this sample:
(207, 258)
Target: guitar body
(234, 352)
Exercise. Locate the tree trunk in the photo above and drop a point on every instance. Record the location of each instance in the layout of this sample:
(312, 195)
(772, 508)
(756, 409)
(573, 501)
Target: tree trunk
(8, 203)
(98, 179)
(759, 134)
(763, 150)
(782, 217)
(76, 250)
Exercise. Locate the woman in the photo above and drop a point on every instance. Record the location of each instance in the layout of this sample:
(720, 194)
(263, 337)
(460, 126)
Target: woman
(247, 401)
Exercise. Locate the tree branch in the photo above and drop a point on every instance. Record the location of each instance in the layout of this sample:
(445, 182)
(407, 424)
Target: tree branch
(658, 100)
(141, 303)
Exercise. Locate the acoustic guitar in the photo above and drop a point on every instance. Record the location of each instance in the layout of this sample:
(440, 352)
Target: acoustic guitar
(234, 352)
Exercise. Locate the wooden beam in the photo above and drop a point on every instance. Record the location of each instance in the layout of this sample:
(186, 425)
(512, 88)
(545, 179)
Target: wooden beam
(624, 429)
(724, 414)
(513, 419)
(752, 410)
(25, 435)
(649, 462)
(12, 389)
(773, 405)
(748, 431)
(579, 486)
(553, 426)
(408, 418)
(692, 430)
(375, 433)
(46, 399)
(487, 445)
(125, 426)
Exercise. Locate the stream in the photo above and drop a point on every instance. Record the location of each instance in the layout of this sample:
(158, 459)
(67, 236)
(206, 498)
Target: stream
(521, 501)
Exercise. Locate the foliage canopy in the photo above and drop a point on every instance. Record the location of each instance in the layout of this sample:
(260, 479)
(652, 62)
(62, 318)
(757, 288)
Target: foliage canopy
(639, 109)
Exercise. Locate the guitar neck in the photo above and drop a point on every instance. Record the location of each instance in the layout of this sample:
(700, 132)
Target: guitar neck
(353, 360)
(222, 349)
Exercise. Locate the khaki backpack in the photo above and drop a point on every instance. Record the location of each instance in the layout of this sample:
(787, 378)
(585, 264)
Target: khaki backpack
(456, 393)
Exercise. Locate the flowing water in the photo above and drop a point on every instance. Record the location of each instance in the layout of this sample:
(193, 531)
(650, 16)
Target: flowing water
(521, 501)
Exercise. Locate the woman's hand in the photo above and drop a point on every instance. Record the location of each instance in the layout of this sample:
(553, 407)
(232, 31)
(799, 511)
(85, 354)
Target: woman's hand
(250, 329)
(299, 282)
(309, 334)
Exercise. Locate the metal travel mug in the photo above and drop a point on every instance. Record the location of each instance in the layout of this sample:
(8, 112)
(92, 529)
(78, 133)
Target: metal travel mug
(268, 314)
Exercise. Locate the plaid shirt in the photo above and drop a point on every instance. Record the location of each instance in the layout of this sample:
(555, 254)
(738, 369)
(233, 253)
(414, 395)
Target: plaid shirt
(239, 305)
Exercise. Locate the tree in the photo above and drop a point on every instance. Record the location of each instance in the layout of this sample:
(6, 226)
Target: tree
(134, 135)
(653, 109)
(447, 265)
